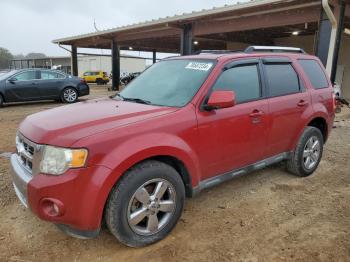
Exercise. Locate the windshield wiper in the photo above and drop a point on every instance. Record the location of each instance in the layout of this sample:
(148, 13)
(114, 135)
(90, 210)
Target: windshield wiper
(136, 100)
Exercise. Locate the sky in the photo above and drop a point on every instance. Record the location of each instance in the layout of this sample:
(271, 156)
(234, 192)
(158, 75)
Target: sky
(30, 25)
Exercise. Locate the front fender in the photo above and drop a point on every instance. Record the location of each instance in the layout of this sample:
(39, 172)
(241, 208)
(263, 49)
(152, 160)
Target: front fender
(137, 149)
(142, 147)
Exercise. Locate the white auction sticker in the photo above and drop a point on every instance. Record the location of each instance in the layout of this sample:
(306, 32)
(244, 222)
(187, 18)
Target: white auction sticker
(199, 66)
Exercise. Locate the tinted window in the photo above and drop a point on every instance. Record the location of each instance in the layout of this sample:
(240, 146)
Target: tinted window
(28, 75)
(243, 80)
(315, 73)
(282, 79)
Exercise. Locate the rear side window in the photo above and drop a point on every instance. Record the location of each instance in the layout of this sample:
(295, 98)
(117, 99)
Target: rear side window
(282, 79)
(243, 80)
(50, 75)
(315, 73)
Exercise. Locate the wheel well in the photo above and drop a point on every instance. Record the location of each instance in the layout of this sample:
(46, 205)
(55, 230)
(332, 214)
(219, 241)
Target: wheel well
(179, 166)
(321, 124)
(64, 88)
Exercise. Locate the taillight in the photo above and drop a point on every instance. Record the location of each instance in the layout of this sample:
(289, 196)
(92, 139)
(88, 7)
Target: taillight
(82, 81)
(334, 101)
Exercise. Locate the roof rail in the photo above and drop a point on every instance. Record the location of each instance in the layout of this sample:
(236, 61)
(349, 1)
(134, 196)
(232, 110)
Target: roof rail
(218, 52)
(252, 49)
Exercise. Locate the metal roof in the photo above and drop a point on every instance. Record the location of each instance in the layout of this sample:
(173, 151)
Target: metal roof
(175, 18)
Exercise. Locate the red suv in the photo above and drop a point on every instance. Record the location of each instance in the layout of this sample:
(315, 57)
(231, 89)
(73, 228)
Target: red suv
(185, 124)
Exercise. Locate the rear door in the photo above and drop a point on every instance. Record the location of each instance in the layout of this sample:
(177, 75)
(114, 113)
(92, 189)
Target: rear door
(234, 137)
(50, 84)
(288, 100)
(23, 86)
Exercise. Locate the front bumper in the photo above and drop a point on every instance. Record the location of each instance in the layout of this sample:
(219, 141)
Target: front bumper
(20, 178)
(81, 194)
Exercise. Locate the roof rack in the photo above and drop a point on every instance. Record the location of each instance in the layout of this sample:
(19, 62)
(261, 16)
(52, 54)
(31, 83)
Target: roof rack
(218, 52)
(252, 49)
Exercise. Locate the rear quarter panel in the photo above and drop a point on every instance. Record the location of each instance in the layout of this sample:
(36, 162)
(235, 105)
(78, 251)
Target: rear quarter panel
(322, 99)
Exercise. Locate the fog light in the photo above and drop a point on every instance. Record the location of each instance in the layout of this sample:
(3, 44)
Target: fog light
(52, 207)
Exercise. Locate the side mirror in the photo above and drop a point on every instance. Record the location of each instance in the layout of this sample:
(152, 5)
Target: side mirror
(12, 80)
(220, 99)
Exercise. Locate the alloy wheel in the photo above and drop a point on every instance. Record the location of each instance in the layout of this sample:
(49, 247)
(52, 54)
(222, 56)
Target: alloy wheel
(311, 153)
(151, 207)
(70, 95)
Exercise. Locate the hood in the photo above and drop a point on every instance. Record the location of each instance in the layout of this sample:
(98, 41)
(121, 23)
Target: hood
(62, 126)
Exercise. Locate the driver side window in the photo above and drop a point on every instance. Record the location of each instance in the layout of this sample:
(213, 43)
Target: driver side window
(25, 76)
(243, 80)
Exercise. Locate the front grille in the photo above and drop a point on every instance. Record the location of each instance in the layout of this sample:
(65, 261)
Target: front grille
(26, 151)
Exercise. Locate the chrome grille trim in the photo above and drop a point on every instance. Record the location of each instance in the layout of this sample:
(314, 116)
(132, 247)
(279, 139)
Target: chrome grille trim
(28, 154)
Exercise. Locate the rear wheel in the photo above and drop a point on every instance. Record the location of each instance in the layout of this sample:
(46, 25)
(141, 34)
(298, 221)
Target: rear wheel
(69, 95)
(145, 204)
(1, 100)
(308, 153)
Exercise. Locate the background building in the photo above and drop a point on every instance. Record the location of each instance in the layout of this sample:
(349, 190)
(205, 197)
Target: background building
(128, 64)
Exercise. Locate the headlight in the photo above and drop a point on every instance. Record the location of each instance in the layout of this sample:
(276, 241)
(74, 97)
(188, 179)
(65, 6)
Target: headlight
(56, 160)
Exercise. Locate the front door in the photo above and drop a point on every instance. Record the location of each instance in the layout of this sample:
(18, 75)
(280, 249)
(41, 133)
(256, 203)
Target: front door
(234, 137)
(23, 86)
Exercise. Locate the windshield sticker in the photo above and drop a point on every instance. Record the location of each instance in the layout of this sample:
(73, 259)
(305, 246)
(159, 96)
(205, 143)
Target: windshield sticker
(199, 66)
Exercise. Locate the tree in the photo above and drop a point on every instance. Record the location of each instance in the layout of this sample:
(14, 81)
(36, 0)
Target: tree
(19, 56)
(35, 55)
(5, 57)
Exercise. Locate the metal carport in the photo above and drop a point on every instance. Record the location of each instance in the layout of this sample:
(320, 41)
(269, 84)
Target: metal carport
(261, 22)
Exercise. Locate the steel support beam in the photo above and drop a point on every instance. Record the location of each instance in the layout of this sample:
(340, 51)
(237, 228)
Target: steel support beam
(154, 58)
(323, 38)
(187, 40)
(74, 61)
(340, 30)
(115, 64)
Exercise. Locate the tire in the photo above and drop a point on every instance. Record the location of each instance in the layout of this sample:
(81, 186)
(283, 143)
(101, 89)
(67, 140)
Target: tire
(141, 182)
(69, 95)
(310, 146)
(99, 81)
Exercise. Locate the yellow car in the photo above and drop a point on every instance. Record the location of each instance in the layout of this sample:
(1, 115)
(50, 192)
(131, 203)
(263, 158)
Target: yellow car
(98, 77)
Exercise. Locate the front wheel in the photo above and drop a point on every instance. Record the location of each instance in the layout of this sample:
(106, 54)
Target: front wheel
(69, 95)
(307, 154)
(145, 204)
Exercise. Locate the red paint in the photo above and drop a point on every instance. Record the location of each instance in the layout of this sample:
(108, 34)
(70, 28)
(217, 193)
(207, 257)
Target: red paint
(120, 134)
(221, 99)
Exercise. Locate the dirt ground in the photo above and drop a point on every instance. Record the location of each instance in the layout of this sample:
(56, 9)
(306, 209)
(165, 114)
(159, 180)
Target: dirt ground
(265, 216)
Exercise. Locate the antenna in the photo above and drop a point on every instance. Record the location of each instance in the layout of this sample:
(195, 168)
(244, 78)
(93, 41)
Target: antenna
(95, 26)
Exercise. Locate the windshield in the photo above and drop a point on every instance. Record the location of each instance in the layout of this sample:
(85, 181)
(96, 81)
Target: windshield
(4, 74)
(169, 83)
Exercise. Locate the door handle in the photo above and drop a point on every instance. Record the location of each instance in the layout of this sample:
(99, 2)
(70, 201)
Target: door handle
(256, 113)
(302, 103)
